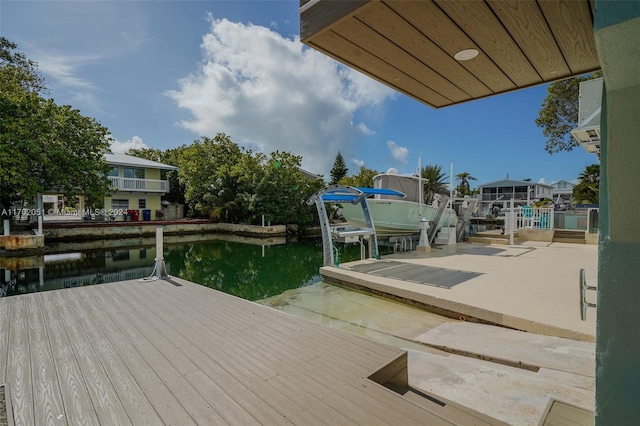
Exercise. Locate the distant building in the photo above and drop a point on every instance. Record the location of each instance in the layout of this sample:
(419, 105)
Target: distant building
(309, 175)
(519, 190)
(563, 192)
(138, 185)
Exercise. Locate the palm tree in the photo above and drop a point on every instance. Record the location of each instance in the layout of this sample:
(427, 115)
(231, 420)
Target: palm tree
(587, 191)
(433, 182)
(591, 174)
(463, 185)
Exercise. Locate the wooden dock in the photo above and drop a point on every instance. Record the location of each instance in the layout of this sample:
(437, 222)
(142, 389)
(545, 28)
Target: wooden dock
(174, 352)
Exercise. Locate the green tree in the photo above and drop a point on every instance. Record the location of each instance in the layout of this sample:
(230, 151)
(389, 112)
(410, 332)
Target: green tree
(463, 183)
(282, 192)
(44, 146)
(559, 113)
(19, 74)
(433, 181)
(587, 191)
(339, 169)
(364, 178)
(206, 168)
(224, 182)
(151, 154)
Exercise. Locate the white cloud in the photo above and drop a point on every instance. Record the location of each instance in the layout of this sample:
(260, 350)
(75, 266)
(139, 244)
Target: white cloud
(64, 69)
(399, 153)
(135, 142)
(358, 163)
(542, 181)
(273, 93)
(365, 130)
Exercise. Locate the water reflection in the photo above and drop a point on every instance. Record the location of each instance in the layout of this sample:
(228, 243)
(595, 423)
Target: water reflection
(67, 270)
(245, 269)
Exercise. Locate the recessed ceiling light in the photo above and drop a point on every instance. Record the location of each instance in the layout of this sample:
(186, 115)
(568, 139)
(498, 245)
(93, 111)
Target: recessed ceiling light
(465, 55)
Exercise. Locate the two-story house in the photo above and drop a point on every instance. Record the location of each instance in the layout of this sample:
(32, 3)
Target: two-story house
(563, 192)
(138, 186)
(519, 190)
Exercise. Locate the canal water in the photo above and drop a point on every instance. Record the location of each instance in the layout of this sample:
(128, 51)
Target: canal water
(255, 270)
(276, 273)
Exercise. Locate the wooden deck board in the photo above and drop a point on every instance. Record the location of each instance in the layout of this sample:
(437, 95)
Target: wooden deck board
(308, 401)
(243, 395)
(150, 397)
(47, 398)
(203, 329)
(152, 352)
(104, 397)
(246, 368)
(315, 329)
(75, 396)
(5, 314)
(18, 365)
(126, 384)
(193, 402)
(410, 413)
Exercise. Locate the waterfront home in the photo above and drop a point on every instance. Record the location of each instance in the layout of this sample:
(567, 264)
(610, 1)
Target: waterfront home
(137, 189)
(563, 192)
(138, 186)
(520, 190)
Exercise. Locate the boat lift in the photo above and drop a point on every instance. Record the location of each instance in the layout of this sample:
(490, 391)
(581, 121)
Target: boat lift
(353, 195)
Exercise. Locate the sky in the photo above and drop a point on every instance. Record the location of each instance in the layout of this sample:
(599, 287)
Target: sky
(161, 74)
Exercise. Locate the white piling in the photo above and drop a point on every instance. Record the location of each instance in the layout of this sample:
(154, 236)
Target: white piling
(6, 226)
(423, 244)
(160, 267)
(512, 214)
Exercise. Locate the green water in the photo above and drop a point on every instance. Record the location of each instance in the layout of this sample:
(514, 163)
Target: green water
(249, 271)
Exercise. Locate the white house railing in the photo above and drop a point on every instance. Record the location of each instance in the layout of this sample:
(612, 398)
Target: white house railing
(140, 185)
(534, 217)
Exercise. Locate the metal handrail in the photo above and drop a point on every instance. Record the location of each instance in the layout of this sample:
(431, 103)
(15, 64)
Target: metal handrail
(583, 295)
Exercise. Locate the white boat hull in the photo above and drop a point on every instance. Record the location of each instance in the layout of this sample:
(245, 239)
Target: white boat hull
(395, 217)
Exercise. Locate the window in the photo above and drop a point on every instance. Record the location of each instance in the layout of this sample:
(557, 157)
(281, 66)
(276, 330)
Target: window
(113, 172)
(120, 255)
(163, 174)
(142, 203)
(119, 204)
(132, 172)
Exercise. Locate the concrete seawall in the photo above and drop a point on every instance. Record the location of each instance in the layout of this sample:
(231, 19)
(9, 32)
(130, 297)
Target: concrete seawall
(105, 231)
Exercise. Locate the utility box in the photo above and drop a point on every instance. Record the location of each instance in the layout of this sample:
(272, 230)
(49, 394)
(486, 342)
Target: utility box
(590, 102)
(589, 111)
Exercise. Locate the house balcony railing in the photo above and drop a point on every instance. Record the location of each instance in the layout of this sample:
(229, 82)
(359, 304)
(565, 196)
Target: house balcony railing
(504, 196)
(138, 185)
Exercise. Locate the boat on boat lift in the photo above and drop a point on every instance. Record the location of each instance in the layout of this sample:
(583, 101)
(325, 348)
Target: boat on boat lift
(392, 216)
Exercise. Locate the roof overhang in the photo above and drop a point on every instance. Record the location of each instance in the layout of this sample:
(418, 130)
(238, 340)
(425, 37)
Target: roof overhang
(411, 45)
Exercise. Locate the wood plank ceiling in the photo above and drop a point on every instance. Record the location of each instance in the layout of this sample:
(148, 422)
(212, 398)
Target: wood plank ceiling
(410, 45)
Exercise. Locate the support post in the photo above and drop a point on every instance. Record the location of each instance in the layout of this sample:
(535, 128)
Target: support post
(512, 219)
(160, 268)
(40, 211)
(423, 244)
